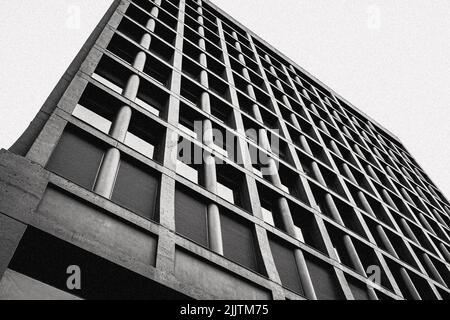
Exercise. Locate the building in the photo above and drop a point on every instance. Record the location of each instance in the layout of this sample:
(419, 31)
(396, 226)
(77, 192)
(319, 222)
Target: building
(182, 157)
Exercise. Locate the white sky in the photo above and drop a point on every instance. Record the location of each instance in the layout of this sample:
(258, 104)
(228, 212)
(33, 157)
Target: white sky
(391, 58)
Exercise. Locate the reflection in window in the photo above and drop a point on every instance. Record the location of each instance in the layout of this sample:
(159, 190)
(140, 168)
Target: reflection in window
(107, 83)
(92, 118)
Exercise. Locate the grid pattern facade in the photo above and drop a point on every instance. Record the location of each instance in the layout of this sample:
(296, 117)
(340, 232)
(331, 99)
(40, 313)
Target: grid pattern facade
(347, 213)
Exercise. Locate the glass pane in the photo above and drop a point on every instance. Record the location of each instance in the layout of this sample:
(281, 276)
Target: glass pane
(140, 145)
(107, 83)
(92, 118)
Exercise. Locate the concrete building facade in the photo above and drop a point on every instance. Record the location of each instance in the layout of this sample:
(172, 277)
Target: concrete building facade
(182, 157)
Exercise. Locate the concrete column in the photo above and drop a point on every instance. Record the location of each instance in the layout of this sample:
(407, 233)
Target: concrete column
(151, 24)
(158, 2)
(333, 209)
(241, 58)
(205, 103)
(387, 243)
(425, 223)
(358, 151)
(433, 269)
(391, 173)
(409, 284)
(214, 229)
(132, 87)
(202, 44)
(353, 254)
(146, 41)
(305, 145)
(279, 85)
(251, 91)
(286, 217)
(349, 173)
(257, 113)
(317, 173)
(107, 175)
(324, 127)
(445, 252)
(438, 217)
(154, 12)
(306, 94)
(406, 195)
(305, 278)
(139, 61)
(388, 199)
(372, 173)
(208, 136)
(287, 102)
(203, 60)
(295, 122)
(204, 78)
(408, 230)
(273, 170)
(314, 109)
(201, 31)
(336, 115)
(119, 127)
(335, 149)
(345, 130)
(246, 74)
(238, 46)
(366, 204)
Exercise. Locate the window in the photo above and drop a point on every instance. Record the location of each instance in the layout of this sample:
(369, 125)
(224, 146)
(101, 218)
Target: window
(287, 266)
(191, 218)
(238, 242)
(136, 189)
(77, 158)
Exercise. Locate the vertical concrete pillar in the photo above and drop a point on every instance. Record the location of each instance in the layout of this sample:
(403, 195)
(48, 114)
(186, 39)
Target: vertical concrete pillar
(305, 277)
(425, 223)
(146, 41)
(132, 87)
(214, 229)
(154, 12)
(445, 252)
(391, 173)
(345, 130)
(241, 58)
(324, 127)
(139, 61)
(358, 151)
(409, 284)
(335, 149)
(438, 217)
(287, 102)
(251, 92)
(257, 113)
(286, 217)
(205, 103)
(204, 78)
(246, 74)
(317, 173)
(295, 122)
(353, 254)
(372, 173)
(365, 204)
(387, 243)
(151, 24)
(433, 269)
(408, 230)
(106, 178)
(349, 173)
(333, 209)
(389, 200)
(305, 145)
(119, 127)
